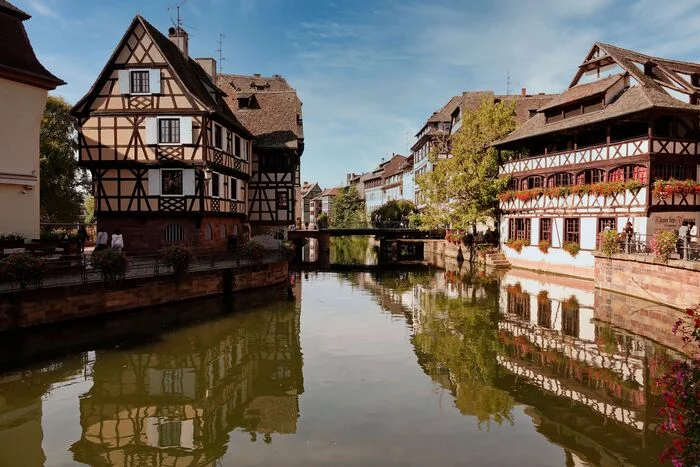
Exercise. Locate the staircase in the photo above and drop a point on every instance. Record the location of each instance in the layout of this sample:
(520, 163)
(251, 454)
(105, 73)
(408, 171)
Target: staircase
(497, 260)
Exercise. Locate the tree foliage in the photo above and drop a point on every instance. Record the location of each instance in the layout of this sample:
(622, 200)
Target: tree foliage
(394, 210)
(348, 210)
(61, 179)
(461, 191)
(89, 207)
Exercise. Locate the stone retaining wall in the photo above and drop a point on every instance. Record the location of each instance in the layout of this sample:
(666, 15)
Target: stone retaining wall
(33, 307)
(676, 284)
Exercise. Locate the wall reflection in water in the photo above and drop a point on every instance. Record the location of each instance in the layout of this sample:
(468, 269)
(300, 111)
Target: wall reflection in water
(519, 339)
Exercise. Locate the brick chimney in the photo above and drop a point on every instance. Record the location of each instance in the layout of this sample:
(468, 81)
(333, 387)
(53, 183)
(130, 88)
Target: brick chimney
(179, 37)
(523, 92)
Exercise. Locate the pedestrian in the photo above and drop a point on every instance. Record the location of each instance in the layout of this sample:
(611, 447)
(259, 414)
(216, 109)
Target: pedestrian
(82, 238)
(693, 236)
(102, 239)
(117, 240)
(629, 232)
(683, 231)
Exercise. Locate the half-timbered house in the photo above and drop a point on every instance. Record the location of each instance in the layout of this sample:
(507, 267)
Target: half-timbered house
(271, 110)
(604, 153)
(169, 160)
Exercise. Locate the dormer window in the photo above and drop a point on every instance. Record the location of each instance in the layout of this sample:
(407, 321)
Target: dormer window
(243, 102)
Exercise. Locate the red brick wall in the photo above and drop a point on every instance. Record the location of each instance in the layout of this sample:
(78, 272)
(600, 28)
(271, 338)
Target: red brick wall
(149, 233)
(671, 285)
(30, 308)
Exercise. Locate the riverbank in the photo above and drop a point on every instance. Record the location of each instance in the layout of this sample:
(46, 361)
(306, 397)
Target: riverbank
(27, 308)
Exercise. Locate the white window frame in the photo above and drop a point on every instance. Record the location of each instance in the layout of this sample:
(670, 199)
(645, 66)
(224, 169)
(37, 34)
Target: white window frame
(179, 129)
(213, 139)
(148, 71)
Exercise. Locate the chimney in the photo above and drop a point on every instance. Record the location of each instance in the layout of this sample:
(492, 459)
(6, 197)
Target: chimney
(179, 37)
(523, 92)
(209, 66)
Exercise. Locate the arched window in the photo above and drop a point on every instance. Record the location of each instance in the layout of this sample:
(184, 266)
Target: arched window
(535, 181)
(235, 230)
(628, 172)
(174, 233)
(223, 231)
(513, 184)
(560, 179)
(208, 232)
(586, 177)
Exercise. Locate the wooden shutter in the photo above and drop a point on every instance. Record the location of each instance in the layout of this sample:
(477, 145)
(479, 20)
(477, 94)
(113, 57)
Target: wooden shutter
(221, 186)
(241, 190)
(188, 187)
(186, 130)
(124, 84)
(151, 130)
(153, 182)
(154, 81)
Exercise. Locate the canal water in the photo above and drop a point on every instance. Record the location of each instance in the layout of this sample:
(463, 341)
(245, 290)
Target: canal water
(395, 368)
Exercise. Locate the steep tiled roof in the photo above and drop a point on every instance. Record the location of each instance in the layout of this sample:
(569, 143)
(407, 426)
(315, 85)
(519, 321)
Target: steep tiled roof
(393, 166)
(17, 59)
(308, 188)
(581, 91)
(527, 104)
(445, 112)
(335, 191)
(274, 113)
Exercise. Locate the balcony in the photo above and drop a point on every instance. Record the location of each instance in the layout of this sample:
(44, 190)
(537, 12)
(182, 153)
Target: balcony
(622, 202)
(601, 153)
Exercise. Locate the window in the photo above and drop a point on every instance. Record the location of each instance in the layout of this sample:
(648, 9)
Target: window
(171, 381)
(282, 200)
(520, 229)
(215, 184)
(174, 233)
(512, 184)
(519, 304)
(208, 232)
(168, 130)
(628, 172)
(571, 230)
(589, 176)
(169, 434)
(139, 82)
(546, 230)
(233, 188)
(218, 139)
(570, 318)
(223, 231)
(544, 311)
(532, 182)
(171, 182)
(560, 179)
(238, 147)
(677, 172)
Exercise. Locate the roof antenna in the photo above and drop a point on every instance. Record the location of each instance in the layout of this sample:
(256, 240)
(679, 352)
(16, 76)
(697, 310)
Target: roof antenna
(221, 52)
(177, 6)
(507, 83)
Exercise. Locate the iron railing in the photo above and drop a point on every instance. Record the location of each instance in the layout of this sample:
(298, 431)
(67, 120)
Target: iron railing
(641, 244)
(61, 271)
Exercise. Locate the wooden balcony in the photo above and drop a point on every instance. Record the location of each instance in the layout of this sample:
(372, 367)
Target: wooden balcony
(616, 203)
(601, 153)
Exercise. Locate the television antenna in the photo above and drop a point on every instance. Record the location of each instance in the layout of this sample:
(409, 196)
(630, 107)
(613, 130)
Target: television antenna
(176, 7)
(221, 52)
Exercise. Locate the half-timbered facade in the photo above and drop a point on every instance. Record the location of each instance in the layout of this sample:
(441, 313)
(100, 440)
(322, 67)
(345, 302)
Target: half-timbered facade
(271, 110)
(604, 153)
(169, 160)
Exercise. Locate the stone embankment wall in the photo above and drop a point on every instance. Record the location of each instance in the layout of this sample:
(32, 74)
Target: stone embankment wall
(443, 248)
(34, 307)
(676, 284)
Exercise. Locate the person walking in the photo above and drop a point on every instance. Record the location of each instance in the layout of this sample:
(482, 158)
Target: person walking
(117, 240)
(82, 238)
(683, 231)
(629, 232)
(102, 240)
(693, 236)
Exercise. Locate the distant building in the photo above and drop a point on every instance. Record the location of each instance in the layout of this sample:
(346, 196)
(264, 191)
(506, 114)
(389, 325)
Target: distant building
(308, 192)
(327, 197)
(589, 159)
(408, 184)
(270, 109)
(24, 84)
(384, 183)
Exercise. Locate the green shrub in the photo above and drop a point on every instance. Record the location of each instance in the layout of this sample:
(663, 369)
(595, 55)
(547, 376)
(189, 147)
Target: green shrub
(11, 237)
(609, 242)
(179, 258)
(663, 244)
(22, 268)
(111, 264)
(571, 247)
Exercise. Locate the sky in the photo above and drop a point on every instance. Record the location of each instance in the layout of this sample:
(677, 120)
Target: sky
(370, 72)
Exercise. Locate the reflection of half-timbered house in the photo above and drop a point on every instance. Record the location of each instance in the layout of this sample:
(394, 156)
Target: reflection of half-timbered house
(270, 109)
(589, 158)
(169, 160)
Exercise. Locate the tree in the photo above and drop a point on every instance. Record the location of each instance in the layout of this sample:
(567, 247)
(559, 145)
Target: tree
(394, 210)
(461, 191)
(89, 207)
(62, 182)
(348, 210)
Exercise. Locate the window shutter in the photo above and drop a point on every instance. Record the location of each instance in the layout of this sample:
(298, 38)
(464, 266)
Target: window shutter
(241, 191)
(221, 186)
(151, 130)
(124, 85)
(186, 130)
(188, 186)
(154, 81)
(153, 182)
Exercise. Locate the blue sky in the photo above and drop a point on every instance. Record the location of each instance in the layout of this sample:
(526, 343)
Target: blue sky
(371, 72)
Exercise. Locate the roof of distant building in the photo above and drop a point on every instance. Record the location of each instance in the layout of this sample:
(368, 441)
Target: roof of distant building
(273, 113)
(17, 59)
(308, 188)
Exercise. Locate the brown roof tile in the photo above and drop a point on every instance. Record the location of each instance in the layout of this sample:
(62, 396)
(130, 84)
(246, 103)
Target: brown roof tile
(582, 91)
(274, 116)
(17, 59)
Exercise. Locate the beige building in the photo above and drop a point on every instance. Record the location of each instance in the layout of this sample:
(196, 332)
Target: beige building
(24, 84)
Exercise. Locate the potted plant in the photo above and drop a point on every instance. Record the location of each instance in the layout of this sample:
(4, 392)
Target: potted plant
(179, 258)
(516, 245)
(663, 244)
(22, 268)
(111, 264)
(543, 246)
(571, 247)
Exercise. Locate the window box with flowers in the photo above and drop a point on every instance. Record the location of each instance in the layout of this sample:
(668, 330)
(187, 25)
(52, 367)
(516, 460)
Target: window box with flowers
(664, 189)
(598, 189)
(516, 245)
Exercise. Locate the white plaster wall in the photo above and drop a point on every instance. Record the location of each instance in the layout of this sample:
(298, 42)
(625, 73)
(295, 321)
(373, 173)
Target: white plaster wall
(557, 231)
(555, 256)
(588, 232)
(21, 109)
(409, 186)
